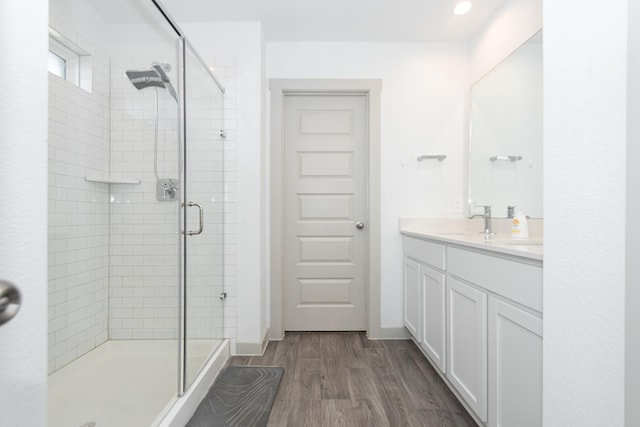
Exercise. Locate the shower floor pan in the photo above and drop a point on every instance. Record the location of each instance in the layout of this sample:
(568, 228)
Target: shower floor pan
(120, 383)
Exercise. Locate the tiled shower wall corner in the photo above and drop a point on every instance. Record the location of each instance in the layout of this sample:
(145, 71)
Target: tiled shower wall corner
(78, 217)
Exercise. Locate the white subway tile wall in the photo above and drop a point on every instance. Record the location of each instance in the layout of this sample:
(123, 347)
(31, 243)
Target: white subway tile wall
(144, 263)
(78, 215)
(113, 249)
(144, 258)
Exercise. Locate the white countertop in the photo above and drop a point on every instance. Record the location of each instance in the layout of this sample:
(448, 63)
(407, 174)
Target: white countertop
(467, 233)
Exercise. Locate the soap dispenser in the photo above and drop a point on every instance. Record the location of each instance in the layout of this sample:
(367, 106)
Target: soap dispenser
(519, 226)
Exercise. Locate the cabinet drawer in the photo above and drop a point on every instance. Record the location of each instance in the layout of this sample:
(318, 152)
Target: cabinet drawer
(514, 280)
(426, 252)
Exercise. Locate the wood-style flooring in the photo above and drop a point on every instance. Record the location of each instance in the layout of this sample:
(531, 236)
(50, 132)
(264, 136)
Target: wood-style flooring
(344, 379)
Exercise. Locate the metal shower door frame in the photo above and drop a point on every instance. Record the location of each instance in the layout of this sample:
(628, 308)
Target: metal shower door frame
(182, 172)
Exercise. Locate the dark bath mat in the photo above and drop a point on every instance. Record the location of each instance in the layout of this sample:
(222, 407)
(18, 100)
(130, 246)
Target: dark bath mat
(241, 396)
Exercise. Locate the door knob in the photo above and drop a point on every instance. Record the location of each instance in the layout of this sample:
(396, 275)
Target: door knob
(9, 301)
(359, 225)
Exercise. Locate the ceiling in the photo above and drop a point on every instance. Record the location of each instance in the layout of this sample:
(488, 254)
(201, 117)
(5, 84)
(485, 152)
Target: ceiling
(329, 20)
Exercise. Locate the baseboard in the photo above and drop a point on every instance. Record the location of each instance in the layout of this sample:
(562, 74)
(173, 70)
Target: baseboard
(252, 348)
(400, 333)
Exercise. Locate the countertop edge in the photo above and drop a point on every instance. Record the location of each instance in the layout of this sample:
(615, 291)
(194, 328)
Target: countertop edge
(489, 246)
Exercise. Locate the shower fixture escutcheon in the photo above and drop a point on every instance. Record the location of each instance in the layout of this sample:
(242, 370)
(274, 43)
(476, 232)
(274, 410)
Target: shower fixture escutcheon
(167, 189)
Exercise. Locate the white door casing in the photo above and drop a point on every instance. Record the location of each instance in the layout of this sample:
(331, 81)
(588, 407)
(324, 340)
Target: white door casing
(280, 88)
(325, 139)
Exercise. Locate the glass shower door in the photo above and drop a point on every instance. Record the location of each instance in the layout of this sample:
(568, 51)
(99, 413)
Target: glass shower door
(203, 215)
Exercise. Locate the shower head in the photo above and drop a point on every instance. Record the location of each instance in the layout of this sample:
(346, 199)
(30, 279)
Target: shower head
(145, 78)
(155, 76)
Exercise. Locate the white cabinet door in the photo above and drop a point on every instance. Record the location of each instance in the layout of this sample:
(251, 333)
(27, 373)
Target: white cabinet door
(515, 366)
(411, 297)
(432, 283)
(467, 344)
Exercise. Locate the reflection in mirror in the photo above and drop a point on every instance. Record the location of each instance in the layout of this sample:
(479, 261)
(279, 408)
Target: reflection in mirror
(505, 148)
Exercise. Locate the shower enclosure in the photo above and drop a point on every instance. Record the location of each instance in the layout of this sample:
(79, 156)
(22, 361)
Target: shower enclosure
(136, 214)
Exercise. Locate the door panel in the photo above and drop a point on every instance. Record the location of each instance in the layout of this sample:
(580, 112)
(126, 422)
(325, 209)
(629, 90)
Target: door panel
(23, 210)
(467, 344)
(324, 197)
(515, 366)
(411, 296)
(433, 292)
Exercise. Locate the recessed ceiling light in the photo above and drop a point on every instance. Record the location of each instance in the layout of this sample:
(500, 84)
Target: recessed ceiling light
(462, 8)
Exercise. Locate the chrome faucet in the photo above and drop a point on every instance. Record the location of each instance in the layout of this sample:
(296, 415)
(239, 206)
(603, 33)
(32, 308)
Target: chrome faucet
(487, 219)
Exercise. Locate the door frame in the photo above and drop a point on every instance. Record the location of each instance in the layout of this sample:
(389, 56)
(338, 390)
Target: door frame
(280, 88)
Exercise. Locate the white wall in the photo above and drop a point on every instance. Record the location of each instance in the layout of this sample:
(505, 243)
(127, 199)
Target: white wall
(584, 195)
(632, 409)
(424, 88)
(243, 41)
(632, 386)
(510, 26)
(23, 209)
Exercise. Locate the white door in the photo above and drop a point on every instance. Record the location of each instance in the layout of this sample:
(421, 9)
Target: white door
(515, 366)
(467, 344)
(325, 139)
(432, 283)
(23, 210)
(411, 297)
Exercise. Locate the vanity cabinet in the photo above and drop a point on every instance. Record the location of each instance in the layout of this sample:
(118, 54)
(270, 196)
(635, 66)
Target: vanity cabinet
(515, 361)
(428, 291)
(467, 344)
(479, 321)
(411, 297)
(433, 308)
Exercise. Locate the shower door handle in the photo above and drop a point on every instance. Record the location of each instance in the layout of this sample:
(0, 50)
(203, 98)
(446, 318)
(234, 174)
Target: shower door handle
(201, 216)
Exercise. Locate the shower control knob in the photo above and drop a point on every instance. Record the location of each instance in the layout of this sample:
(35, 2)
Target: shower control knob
(9, 301)
(359, 225)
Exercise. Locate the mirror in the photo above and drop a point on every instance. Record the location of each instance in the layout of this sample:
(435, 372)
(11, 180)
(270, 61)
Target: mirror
(505, 147)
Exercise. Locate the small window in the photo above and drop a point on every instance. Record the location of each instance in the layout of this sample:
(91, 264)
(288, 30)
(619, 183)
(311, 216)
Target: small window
(69, 61)
(57, 65)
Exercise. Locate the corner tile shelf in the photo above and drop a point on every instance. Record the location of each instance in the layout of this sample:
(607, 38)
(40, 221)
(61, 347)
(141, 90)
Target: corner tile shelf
(111, 180)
